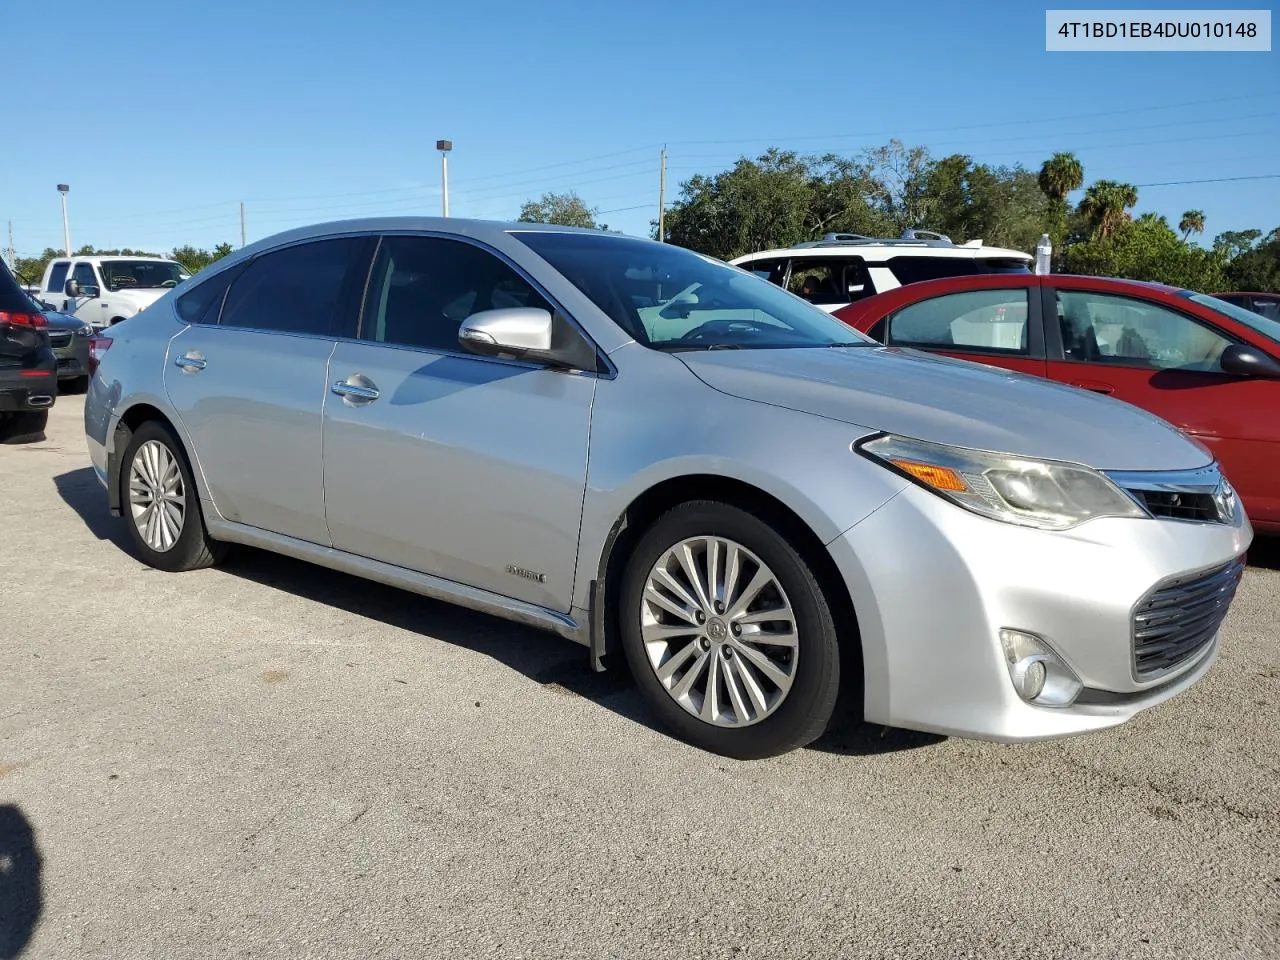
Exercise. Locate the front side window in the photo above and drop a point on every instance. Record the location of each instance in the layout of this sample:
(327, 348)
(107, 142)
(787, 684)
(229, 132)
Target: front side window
(669, 298)
(83, 275)
(142, 274)
(422, 288)
(1102, 328)
(58, 277)
(294, 290)
(1264, 318)
(981, 320)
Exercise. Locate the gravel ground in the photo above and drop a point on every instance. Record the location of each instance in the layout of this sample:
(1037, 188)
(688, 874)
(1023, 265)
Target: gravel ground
(269, 759)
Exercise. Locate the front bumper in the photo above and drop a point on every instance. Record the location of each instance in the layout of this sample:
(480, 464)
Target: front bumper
(933, 585)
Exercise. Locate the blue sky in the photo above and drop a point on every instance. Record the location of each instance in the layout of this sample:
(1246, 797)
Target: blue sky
(164, 116)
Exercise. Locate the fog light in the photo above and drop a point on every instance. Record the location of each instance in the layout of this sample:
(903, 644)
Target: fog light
(1038, 674)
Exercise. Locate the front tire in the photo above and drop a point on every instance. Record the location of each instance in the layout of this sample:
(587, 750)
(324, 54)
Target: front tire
(27, 426)
(161, 503)
(728, 634)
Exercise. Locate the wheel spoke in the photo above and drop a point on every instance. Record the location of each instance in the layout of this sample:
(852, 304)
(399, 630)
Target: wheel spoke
(681, 689)
(783, 638)
(711, 698)
(690, 567)
(732, 568)
(675, 662)
(766, 666)
(663, 576)
(664, 633)
(752, 684)
(713, 571)
(741, 712)
(763, 577)
(653, 596)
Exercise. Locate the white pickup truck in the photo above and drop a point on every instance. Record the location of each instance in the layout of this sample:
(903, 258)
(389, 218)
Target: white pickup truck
(106, 290)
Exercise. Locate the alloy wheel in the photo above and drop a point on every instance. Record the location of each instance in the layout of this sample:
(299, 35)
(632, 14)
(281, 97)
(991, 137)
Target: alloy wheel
(157, 496)
(719, 631)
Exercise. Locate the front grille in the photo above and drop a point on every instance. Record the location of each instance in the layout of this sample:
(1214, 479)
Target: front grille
(1178, 618)
(59, 338)
(1179, 506)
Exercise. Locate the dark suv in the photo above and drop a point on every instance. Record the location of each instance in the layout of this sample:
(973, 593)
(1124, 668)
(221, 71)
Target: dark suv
(28, 367)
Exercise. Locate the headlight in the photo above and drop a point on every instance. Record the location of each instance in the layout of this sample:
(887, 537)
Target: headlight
(1037, 493)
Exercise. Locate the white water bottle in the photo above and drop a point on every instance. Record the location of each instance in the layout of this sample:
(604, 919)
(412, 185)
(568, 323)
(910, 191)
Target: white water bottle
(1044, 249)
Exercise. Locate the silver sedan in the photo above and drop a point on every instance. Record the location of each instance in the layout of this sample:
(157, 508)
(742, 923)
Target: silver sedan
(670, 460)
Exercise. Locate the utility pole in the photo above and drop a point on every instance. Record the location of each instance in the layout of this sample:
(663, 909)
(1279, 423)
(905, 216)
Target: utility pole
(66, 228)
(662, 196)
(444, 146)
(13, 257)
(241, 224)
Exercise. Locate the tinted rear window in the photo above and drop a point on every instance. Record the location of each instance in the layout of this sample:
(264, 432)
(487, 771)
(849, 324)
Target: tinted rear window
(202, 303)
(12, 299)
(917, 269)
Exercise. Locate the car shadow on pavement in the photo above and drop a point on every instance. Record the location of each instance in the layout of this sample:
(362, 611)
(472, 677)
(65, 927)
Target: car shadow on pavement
(21, 893)
(82, 492)
(545, 658)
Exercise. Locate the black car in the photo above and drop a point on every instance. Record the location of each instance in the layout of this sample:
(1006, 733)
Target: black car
(28, 367)
(69, 336)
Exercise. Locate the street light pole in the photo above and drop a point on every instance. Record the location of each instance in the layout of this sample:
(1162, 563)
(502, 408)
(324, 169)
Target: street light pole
(444, 146)
(66, 228)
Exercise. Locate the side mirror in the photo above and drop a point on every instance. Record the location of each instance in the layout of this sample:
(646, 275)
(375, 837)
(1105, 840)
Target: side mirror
(527, 333)
(516, 331)
(76, 289)
(1243, 360)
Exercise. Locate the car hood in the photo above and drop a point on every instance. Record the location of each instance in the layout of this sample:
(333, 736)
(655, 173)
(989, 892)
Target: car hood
(950, 401)
(63, 321)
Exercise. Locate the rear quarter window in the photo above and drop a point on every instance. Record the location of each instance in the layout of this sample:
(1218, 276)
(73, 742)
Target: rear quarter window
(203, 302)
(917, 269)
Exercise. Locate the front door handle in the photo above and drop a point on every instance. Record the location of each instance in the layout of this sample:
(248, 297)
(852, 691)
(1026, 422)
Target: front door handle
(190, 363)
(362, 391)
(1094, 385)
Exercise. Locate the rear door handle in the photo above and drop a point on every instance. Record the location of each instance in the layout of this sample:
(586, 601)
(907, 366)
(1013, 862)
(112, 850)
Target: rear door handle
(356, 393)
(190, 363)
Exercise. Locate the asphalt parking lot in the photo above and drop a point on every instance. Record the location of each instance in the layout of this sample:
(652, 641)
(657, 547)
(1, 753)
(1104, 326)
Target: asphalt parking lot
(269, 759)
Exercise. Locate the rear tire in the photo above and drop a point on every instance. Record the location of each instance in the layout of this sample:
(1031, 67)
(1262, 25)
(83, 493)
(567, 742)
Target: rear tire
(161, 504)
(771, 657)
(25, 427)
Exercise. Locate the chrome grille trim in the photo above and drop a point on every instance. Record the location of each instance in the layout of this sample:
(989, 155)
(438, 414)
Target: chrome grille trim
(1194, 496)
(1179, 617)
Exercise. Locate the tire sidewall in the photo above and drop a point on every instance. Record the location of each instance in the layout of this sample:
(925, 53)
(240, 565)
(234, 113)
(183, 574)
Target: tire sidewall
(191, 541)
(809, 704)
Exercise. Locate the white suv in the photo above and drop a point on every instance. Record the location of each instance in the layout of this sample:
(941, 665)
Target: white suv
(843, 267)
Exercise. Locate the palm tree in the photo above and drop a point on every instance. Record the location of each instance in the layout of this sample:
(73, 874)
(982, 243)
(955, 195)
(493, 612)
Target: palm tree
(1059, 175)
(1106, 204)
(1192, 222)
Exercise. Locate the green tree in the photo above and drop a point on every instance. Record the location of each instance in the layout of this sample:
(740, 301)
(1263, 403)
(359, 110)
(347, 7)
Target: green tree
(196, 259)
(1059, 175)
(565, 209)
(1192, 222)
(1106, 206)
(1256, 267)
(1148, 249)
(1233, 243)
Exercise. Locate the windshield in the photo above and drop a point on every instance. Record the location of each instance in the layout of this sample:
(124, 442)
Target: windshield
(1254, 321)
(140, 274)
(670, 298)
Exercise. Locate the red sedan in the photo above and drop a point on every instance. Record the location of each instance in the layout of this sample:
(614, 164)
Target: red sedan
(1209, 367)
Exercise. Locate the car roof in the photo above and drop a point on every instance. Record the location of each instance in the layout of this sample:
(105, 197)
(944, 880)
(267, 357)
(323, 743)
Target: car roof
(888, 248)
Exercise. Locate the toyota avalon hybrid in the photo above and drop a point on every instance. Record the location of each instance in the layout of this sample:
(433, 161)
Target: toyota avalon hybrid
(675, 462)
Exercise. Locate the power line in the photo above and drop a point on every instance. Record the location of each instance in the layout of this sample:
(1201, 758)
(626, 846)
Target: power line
(983, 126)
(1179, 183)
